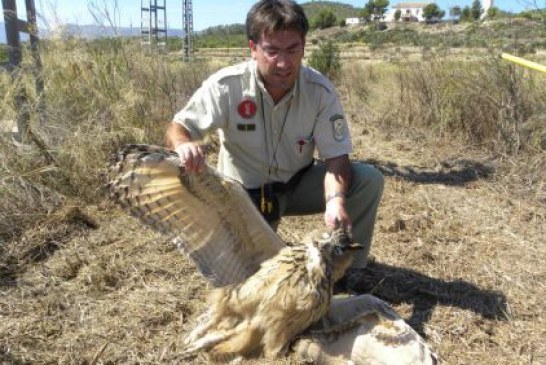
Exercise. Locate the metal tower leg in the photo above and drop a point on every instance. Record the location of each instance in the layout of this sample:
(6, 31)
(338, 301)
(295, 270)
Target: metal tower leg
(187, 20)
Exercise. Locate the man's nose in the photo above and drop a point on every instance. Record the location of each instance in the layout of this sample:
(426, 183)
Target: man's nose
(283, 60)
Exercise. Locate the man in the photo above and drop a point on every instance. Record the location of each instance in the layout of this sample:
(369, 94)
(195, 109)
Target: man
(271, 114)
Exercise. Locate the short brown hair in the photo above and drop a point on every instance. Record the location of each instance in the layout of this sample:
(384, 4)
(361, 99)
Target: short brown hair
(267, 16)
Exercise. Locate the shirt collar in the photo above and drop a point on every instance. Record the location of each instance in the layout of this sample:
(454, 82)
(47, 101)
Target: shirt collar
(263, 90)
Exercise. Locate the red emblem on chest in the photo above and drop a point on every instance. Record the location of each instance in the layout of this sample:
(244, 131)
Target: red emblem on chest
(247, 109)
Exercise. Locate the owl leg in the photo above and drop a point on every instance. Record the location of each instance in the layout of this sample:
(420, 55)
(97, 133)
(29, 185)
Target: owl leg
(219, 342)
(243, 340)
(275, 344)
(207, 320)
(205, 343)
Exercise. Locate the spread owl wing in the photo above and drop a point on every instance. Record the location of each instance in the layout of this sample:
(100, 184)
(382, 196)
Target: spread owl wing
(363, 330)
(208, 216)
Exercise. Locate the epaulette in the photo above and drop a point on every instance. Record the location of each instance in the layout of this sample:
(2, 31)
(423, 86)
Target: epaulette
(315, 77)
(231, 71)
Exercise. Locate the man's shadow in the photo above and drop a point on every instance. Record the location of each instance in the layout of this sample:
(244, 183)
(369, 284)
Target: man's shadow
(454, 172)
(399, 285)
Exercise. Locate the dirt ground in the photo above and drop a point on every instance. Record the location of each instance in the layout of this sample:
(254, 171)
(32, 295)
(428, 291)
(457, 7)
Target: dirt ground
(459, 252)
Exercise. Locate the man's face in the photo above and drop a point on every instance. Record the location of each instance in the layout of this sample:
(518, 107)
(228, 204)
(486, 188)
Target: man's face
(279, 57)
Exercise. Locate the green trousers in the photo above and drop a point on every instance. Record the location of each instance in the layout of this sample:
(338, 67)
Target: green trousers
(363, 197)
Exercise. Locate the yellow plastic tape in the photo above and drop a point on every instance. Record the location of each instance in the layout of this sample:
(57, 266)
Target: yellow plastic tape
(523, 62)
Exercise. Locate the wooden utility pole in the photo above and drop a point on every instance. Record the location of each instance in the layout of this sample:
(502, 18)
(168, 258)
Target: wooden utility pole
(14, 26)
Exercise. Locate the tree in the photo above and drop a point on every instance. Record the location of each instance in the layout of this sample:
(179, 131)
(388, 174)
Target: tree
(493, 12)
(367, 11)
(324, 19)
(432, 12)
(476, 10)
(374, 9)
(397, 15)
(380, 8)
(466, 14)
(455, 12)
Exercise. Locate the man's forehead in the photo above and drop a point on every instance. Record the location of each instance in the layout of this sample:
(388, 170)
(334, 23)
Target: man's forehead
(282, 39)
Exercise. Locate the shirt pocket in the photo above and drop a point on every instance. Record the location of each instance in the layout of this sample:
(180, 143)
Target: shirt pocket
(247, 134)
(303, 147)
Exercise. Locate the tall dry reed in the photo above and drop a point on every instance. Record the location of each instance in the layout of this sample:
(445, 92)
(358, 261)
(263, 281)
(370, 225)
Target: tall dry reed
(98, 95)
(486, 102)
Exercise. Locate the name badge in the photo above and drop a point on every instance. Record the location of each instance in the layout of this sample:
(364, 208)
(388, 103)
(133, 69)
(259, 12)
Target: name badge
(244, 127)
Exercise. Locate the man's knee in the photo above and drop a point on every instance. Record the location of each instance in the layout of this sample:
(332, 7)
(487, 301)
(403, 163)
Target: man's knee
(367, 178)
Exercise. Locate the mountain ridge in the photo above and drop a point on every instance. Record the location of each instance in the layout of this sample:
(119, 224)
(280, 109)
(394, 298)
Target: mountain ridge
(88, 31)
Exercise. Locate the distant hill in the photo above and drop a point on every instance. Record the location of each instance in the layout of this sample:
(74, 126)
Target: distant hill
(97, 31)
(89, 32)
(340, 10)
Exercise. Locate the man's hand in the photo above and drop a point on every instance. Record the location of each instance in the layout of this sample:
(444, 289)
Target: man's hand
(192, 156)
(336, 213)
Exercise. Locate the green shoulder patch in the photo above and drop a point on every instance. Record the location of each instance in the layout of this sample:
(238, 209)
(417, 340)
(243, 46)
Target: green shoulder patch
(339, 127)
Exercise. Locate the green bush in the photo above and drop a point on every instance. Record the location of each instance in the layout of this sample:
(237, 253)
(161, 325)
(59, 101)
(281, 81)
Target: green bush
(3, 53)
(326, 59)
(324, 19)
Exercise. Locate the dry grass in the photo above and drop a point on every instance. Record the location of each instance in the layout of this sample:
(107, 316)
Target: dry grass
(485, 102)
(99, 97)
(459, 242)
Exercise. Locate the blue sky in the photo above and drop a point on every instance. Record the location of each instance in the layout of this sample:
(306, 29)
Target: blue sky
(206, 13)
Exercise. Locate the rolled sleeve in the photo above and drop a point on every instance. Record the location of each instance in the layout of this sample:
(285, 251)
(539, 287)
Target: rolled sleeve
(332, 135)
(205, 110)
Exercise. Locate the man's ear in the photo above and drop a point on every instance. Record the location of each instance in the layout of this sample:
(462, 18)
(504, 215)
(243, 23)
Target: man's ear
(252, 47)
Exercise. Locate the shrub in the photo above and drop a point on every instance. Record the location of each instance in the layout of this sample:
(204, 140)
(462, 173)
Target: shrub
(324, 19)
(326, 59)
(483, 102)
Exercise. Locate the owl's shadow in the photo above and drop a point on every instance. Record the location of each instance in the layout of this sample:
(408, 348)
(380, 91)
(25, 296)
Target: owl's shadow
(400, 285)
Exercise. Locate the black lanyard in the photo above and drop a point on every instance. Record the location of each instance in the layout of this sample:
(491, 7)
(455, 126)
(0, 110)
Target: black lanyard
(276, 147)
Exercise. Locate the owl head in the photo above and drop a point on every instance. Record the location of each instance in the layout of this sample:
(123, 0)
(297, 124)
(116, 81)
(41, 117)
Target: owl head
(335, 241)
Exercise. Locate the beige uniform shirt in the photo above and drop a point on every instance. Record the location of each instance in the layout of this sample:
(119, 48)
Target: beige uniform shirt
(262, 142)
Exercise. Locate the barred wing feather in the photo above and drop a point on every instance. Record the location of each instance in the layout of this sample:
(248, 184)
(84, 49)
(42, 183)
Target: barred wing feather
(363, 330)
(208, 216)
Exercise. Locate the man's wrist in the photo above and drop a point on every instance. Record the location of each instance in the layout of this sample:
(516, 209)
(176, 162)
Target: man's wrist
(337, 194)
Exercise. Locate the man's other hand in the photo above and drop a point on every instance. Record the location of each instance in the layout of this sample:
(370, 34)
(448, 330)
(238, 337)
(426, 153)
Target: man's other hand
(335, 210)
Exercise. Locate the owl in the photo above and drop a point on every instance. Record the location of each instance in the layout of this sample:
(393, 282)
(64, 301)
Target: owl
(264, 313)
(268, 298)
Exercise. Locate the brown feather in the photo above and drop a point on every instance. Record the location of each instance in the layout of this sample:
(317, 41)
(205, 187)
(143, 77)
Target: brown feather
(291, 291)
(208, 216)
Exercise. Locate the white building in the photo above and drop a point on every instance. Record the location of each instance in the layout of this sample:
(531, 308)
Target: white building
(409, 12)
(353, 21)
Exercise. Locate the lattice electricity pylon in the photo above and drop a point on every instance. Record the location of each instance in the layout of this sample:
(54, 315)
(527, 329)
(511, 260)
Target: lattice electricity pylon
(153, 23)
(187, 25)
